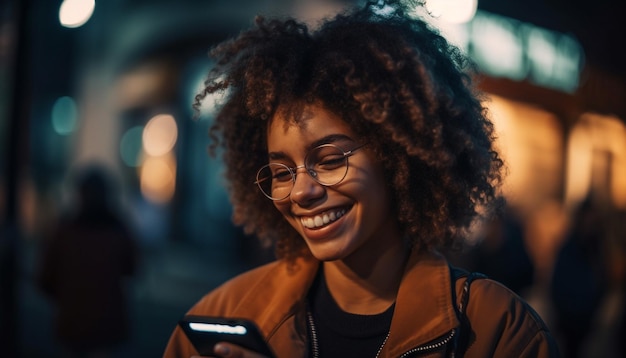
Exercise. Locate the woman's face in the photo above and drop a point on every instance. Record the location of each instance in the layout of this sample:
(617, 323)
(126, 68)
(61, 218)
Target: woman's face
(336, 221)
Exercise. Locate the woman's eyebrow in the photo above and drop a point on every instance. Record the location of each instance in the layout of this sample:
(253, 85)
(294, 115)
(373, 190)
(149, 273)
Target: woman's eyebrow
(329, 139)
(276, 155)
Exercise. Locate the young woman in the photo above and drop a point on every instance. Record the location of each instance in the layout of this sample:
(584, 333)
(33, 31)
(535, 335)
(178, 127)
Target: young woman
(358, 150)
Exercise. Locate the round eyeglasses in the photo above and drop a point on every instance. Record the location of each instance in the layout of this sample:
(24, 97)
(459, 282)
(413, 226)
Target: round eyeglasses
(327, 164)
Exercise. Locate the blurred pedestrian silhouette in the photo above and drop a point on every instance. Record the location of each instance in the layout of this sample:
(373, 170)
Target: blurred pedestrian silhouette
(501, 253)
(84, 264)
(579, 280)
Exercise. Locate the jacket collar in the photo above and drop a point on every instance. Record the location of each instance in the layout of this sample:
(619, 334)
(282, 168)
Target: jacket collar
(424, 306)
(279, 294)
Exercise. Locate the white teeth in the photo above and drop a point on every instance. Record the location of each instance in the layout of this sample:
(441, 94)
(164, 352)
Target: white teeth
(321, 220)
(318, 221)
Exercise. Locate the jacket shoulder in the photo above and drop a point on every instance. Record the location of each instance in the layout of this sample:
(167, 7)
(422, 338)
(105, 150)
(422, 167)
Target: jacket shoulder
(278, 283)
(225, 298)
(504, 324)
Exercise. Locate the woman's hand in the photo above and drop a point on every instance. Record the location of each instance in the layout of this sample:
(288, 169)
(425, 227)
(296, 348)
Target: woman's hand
(229, 350)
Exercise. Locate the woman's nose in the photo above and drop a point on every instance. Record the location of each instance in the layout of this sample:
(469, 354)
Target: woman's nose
(305, 188)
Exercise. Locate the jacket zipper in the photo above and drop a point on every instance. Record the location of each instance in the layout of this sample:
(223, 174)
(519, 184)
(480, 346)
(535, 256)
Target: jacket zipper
(315, 348)
(431, 346)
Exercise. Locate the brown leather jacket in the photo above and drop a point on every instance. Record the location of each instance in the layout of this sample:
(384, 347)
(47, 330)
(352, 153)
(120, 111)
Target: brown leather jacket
(424, 321)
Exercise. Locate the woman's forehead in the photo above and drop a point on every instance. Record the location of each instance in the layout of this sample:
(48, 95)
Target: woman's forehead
(315, 123)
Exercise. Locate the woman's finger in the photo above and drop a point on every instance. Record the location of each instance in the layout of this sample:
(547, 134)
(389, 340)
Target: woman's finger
(228, 350)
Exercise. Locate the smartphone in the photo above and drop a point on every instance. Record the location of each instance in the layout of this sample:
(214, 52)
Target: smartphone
(204, 332)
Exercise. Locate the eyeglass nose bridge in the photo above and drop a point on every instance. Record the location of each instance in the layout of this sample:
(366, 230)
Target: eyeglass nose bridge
(312, 173)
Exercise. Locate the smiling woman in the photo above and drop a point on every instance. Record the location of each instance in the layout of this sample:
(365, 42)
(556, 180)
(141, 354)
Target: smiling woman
(358, 150)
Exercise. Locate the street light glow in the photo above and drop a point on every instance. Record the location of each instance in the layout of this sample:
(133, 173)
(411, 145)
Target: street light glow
(75, 13)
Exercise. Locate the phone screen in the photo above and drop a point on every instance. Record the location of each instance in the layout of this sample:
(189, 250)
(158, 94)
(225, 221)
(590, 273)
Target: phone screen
(204, 332)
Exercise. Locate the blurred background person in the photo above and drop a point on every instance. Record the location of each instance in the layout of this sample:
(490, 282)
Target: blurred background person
(500, 253)
(606, 337)
(89, 255)
(580, 278)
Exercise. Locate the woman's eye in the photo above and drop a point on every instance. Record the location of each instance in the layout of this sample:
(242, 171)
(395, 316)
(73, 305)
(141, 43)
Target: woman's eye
(282, 175)
(331, 161)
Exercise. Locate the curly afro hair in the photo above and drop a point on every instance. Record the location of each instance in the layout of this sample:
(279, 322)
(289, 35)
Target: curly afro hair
(398, 84)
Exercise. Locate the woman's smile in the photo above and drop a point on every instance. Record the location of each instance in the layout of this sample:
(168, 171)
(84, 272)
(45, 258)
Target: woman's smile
(322, 219)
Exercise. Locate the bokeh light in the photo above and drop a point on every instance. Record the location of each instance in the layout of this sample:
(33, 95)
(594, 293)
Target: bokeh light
(75, 13)
(500, 50)
(158, 178)
(453, 11)
(209, 104)
(159, 135)
(131, 146)
(64, 115)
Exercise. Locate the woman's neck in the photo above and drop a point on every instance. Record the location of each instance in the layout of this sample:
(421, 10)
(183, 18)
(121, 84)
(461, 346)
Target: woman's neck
(362, 285)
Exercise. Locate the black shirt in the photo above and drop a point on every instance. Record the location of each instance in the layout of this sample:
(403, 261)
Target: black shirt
(343, 334)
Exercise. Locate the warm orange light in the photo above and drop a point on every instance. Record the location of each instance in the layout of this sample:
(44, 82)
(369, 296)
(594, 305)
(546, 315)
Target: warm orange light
(578, 165)
(158, 178)
(597, 137)
(529, 140)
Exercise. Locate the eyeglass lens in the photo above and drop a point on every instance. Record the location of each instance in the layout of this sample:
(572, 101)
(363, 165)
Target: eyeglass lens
(327, 164)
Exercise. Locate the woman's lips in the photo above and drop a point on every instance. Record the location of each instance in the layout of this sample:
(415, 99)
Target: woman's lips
(323, 219)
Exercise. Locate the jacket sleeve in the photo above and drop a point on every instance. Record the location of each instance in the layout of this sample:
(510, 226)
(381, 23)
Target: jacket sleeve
(504, 325)
(222, 301)
(179, 346)
(215, 303)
